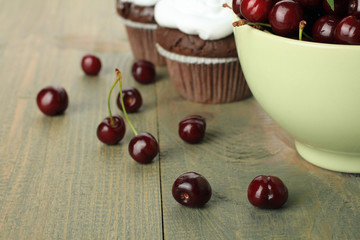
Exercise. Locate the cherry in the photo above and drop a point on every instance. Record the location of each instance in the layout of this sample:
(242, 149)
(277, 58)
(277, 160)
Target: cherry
(143, 71)
(354, 8)
(324, 29)
(285, 17)
(111, 133)
(52, 100)
(191, 189)
(132, 99)
(143, 147)
(91, 65)
(192, 129)
(112, 129)
(256, 10)
(267, 192)
(236, 6)
(348, 31)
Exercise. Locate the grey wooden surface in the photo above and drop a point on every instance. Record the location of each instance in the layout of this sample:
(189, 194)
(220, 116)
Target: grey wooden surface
(57, 181)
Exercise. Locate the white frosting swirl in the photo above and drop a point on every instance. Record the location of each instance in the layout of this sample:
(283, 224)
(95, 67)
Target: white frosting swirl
(205, 18)
(145, 3)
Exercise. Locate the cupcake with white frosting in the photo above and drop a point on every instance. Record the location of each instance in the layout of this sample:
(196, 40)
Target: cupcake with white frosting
(138, 17)
(196, 38)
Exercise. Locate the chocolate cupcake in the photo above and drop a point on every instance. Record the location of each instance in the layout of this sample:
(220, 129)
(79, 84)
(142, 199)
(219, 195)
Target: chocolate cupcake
(138, 17)
(195, 37)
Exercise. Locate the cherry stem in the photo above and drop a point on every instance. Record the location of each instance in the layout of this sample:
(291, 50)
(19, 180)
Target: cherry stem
(308, 36)
(259, 24)
(225, 5)
(111, 117)
(119, 79)
(242, 22)
(302, 25)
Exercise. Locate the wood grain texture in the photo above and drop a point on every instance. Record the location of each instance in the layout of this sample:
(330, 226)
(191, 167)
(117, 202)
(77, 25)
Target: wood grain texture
(57, 181)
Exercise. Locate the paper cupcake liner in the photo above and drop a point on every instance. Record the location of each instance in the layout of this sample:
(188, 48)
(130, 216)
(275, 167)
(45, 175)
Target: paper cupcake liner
(206, 80)
(147, 26)
(142, 41)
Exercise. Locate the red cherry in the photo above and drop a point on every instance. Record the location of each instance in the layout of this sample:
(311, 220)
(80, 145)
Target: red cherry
(267, 192)
(324, 29)
(354, 8)
(191, 189)
(348, 31)
(143, 72)
(192, 129)
(52, 100)
(91, 65)
(110, 133)
(143, 148)
(236, 6)
(285, 17)
(256, 10)
(132, 99)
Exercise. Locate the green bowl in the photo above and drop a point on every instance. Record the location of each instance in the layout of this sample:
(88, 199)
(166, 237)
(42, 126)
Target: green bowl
(311, 90)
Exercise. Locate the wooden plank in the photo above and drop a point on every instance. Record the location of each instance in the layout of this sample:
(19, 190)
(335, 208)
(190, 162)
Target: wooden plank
(57, 181)
(242, 142)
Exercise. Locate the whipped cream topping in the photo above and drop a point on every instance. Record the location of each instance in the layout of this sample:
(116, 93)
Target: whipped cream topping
(205, 18)
(145, 3)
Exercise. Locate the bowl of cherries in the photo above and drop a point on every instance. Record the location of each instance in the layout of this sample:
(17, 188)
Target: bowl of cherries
(300, 59)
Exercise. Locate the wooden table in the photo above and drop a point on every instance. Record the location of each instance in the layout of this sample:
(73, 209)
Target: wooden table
(57, 181)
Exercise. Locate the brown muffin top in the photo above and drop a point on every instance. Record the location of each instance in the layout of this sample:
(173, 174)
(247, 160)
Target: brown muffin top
(135, 13)
(178, 42)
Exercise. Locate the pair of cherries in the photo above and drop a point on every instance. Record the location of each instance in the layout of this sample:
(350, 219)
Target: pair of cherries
(193, 190)
(143, 147)
(340, 24)
(53, 100)
(332, 29)
(142, 71)
(282, 16)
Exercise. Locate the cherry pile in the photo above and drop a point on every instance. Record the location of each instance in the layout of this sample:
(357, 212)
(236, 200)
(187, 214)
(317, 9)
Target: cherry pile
(324, 21)
(189, 189)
